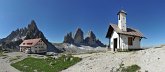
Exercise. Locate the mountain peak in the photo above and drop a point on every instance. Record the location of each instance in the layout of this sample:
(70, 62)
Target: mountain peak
(91, 34)
(79, 30)
(79, 36)
(13, 40)
(32, 25)
(78, 39)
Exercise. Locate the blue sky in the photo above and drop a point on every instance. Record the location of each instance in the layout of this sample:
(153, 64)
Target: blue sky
(55, 18)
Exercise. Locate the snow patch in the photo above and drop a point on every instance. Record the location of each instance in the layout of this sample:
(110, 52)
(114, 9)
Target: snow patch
(15, 39)
(18, 38)
(23, 37)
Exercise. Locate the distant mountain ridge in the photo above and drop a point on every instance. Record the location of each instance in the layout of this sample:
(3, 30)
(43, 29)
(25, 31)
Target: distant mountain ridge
(13, 40)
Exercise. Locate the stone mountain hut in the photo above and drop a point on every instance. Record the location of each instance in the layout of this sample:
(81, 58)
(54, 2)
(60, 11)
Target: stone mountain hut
(33, 46)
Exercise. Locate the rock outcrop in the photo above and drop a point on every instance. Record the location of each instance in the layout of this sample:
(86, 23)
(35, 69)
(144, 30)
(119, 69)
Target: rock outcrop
(13, 40)
(68, 38)
(92, 41)
(78, 40)
(99, 43)
(79, 37)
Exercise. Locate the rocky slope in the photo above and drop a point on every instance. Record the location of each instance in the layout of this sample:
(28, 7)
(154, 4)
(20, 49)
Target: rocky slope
(13, 40)
(79, 39)
(150, 60)
(73, 49)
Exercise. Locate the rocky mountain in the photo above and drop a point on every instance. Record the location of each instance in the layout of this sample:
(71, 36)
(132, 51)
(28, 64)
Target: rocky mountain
(13, 40)
(68, 38)
(79, 36)
(78, 40)
(91, 39)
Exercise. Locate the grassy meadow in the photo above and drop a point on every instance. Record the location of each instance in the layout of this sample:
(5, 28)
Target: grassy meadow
(49, 64)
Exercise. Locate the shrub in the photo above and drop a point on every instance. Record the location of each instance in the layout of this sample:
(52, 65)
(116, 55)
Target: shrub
(132, 68)
(1, 53)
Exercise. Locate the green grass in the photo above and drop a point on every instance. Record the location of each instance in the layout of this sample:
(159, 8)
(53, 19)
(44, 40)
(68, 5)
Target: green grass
(1, 53)
(132, 68)
(46, 65)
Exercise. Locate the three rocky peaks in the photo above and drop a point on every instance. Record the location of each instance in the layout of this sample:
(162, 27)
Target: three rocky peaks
(79, 39)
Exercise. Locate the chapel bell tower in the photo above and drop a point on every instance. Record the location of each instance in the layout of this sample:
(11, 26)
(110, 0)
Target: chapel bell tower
(122, 20)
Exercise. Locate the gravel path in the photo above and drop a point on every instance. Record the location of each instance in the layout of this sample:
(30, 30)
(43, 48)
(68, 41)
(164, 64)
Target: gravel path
(5, 66)
(5, 61)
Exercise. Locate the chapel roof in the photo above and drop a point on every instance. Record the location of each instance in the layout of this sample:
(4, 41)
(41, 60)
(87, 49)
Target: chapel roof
(130, 31)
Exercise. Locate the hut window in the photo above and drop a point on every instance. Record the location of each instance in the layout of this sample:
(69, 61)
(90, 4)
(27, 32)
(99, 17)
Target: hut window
(29, 43)
(130, 41)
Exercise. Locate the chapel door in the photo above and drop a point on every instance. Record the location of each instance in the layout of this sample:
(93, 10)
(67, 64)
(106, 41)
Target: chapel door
(115, 44)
